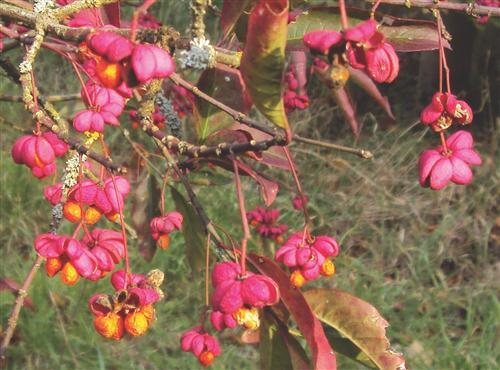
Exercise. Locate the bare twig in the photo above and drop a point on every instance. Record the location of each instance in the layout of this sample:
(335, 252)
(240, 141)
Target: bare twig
(50, 98)
(237, 116)
(470, 8)
(14, 315)
(198, 11)
(363, 153)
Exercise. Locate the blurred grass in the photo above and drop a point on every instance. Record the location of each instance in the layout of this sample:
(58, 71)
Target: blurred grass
(427, 260)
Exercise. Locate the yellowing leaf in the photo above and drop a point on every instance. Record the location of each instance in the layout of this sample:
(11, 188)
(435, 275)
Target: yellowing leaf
(357, 321)
(263, 59)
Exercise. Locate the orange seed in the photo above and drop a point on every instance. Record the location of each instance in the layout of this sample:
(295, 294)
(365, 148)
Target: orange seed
(109, 326)
(136, 323)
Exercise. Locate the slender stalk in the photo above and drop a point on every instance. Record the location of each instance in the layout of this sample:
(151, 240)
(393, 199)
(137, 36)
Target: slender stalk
(343, 15)
(207, 272)
(124, 233)
(471, 8)
(244, 219)
(236, 115)
(135, 17)
(50, 98)
(442, 136)
(198, 11)
(16, 309)
(298, 185)
(363, 153)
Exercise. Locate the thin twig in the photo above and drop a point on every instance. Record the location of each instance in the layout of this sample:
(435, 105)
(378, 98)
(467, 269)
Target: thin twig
(244, 219)
(236, 115)
(363, 153)
(470, 8)
(198, 11)
(14, 315)
(50, 98)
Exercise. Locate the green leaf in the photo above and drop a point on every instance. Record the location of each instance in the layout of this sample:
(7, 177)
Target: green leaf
(226, 85)
(192, 230)
(321, 18)
(263, 60)
(347, 348)
(145, 205)
(357, 321)
(278, 348)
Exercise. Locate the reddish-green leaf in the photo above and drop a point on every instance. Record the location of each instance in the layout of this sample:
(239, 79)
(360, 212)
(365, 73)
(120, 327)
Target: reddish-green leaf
(308, 324)
(113, 13)
(357, 321)
(193, 231)
(344, 102)
(263, 59)
(404, 34)
(274, 156)
(269, 189)
(366, 83)
(145, 206)
(279, 349)
(226, 85)
(231, 12)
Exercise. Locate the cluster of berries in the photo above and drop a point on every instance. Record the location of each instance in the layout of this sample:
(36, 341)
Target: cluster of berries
(39, 152)
(308, 259)
(130, 309)
(451, 160)
(236, 300)
(91, 258)
(161, 227)
(362, 47)
(203, 345)
(118, 65)
(265, 222)
(88, 200)
(293, 98)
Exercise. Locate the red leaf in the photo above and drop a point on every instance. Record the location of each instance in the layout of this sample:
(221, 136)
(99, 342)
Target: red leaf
(274, 156)
(13, 287)
(367, 84)
(231, 12)
(113, 13)
(344, 102)
(309, 325)
(269, 189)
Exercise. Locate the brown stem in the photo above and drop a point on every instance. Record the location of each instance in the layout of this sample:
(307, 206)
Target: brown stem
(471, 8)
(237, 116)
(363, 153)
(50, 98)
(14, 314)
(244, 219)
(198, 11)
